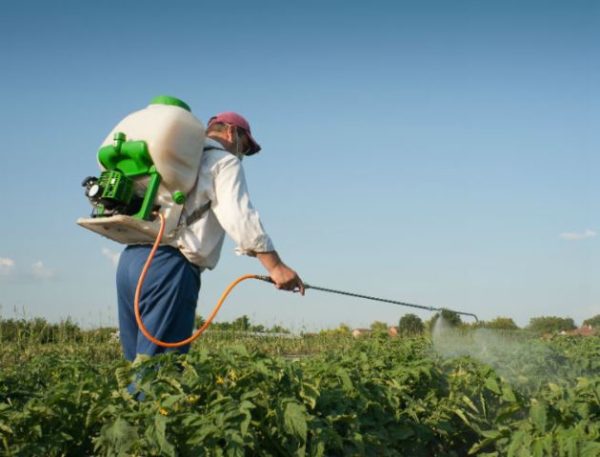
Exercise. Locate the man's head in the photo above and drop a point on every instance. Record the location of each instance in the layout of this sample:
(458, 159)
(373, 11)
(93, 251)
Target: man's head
(233, 132)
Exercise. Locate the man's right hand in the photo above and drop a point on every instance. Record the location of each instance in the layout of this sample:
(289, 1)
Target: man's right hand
(283, 276)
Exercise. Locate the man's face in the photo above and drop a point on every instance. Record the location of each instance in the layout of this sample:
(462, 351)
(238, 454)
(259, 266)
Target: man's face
(243, 141)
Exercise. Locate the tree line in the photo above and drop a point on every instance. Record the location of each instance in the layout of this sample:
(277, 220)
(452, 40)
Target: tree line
(41, 331)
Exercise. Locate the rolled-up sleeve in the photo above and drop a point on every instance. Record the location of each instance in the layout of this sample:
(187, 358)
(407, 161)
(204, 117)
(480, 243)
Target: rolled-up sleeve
(234, 211)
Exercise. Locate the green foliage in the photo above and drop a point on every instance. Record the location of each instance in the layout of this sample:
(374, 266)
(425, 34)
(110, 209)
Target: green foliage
(411, 325)
(321, 395)
(379, 327)
(550, 324)
(343, 330)
(450, 319)
(594, 322)
(241, 324)
(38, 330)
(199, 321)
(501, 323)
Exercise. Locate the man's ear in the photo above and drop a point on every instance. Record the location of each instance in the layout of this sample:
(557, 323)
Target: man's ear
(230, 131)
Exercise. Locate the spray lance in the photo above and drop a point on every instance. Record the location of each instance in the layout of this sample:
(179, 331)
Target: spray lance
(231, 286)
(368, 297)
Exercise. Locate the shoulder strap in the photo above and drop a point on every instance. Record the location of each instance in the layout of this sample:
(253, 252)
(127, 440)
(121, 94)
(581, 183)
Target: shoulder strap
(197, 214)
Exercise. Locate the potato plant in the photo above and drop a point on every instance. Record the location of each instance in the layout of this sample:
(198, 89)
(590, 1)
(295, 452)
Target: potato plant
(296, 397)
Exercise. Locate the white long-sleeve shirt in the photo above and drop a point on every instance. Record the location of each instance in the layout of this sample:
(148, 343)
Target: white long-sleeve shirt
(221, 184)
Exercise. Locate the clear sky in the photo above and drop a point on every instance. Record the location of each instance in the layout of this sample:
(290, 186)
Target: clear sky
(440, 153)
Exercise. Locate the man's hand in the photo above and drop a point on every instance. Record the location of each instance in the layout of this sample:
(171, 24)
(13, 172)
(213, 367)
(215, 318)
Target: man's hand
(283, 276)
(287, 279)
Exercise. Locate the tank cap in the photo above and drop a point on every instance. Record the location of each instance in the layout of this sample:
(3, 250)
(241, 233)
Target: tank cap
(166, 100)
(179, 197)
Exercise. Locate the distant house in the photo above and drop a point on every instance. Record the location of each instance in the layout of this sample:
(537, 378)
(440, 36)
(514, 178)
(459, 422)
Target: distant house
(358, 332)
(584, 330)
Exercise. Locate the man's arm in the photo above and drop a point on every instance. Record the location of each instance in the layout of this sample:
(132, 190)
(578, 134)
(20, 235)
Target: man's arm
(284, 277)
(241, 222)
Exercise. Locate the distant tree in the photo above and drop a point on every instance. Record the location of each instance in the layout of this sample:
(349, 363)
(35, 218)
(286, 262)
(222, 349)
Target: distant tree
(343, 329)
(501, 323)
(278, 329)
(379, 327)
(550, 324)
(594, 322)
(199, 321)
(222, 326)
(39, 330)
(259, 328)
(410, 324)
(451, 318)
(241, 323)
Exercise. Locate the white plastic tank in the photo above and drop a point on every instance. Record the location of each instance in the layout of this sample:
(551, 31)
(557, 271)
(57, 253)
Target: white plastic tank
(175, 139)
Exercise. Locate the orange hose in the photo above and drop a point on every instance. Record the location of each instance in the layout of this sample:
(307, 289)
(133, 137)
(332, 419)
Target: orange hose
(138, 292)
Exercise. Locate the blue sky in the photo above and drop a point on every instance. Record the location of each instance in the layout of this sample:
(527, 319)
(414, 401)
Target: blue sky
(440, 153)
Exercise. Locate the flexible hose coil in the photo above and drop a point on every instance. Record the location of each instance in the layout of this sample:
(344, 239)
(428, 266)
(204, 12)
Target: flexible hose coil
(200, 331)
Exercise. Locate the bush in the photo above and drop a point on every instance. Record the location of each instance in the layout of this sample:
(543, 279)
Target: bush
(410, 325)
(550, 324)
(39, 330)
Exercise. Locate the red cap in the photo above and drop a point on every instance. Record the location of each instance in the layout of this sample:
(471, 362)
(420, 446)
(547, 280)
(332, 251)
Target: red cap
(238, 121)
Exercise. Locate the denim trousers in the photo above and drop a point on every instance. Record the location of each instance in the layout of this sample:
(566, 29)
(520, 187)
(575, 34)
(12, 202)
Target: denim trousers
(167, 301)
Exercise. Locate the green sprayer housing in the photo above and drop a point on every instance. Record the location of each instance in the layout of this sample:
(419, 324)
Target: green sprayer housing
(114, 191)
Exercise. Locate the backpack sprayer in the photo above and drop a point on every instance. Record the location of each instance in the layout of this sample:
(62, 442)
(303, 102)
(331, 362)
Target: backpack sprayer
(149, 162)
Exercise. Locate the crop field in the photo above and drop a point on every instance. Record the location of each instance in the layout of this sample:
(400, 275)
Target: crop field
(451, 394)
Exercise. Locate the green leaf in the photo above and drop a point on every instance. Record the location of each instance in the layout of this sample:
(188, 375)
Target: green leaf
(590, 449)
(492, 384)
(508, 394)
(470, 403)
(119, 435)
(294, 420)
(167, 401)
(160, 422)
(493, 434)
(538, 415)
(309, 393)
(318, 449)
(403, 432)
(516, 444)
(554, 387)
(345, 379)
(123, 376)
(460, 414)
(5, 428)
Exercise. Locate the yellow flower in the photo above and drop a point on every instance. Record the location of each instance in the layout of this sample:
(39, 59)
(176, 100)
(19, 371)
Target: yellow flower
(191, 399)
(163, 411)
(220, 380)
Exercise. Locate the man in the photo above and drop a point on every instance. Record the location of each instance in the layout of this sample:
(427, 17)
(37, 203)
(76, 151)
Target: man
(219, 203)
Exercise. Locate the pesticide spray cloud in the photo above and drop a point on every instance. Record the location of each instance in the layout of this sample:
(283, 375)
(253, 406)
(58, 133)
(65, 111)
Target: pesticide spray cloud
(521, 360)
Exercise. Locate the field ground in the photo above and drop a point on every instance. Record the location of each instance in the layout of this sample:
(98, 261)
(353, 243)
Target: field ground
(236, 395)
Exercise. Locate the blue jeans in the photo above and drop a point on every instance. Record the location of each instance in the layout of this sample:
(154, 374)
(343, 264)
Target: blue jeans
(167, 302)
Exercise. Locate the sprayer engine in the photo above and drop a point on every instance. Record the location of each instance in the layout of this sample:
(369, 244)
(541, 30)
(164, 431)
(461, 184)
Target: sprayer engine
(112, 193)
(120, 189)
